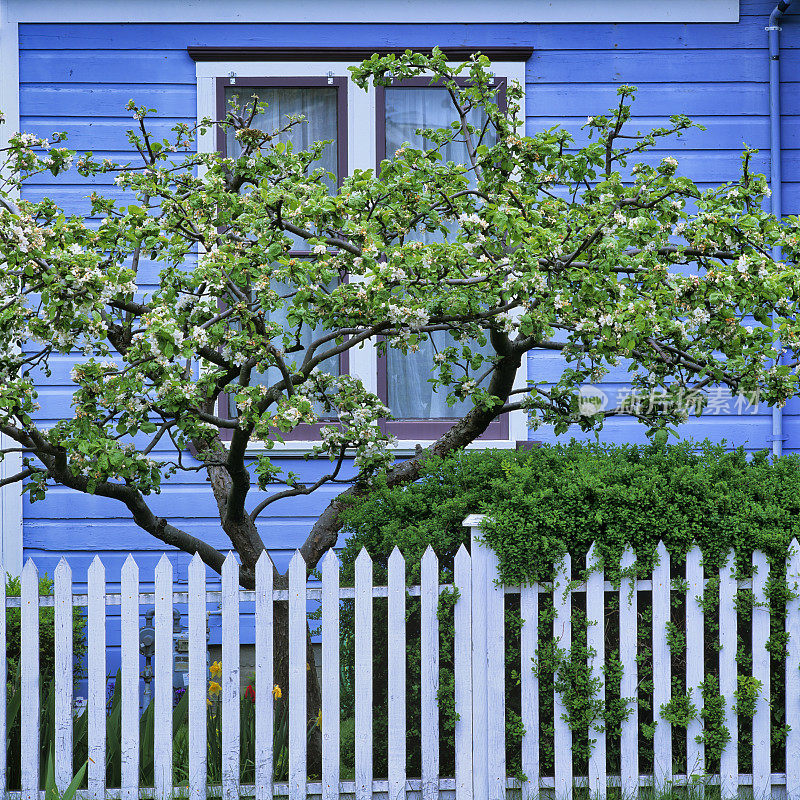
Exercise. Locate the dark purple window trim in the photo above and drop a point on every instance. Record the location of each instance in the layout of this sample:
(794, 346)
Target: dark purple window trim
(423, 429)
(251, 53)
(301, 432)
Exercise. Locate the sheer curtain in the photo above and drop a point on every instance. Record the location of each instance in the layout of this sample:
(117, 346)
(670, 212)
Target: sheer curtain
(317, 103)
(319, 106)
(410, 396)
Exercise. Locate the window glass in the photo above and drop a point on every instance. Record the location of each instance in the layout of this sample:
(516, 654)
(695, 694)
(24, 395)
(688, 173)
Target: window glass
(319, 106)
(410, 396)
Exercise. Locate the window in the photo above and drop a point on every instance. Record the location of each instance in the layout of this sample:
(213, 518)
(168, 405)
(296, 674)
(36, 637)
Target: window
(419, 410)
(364, 126)
(323, 103)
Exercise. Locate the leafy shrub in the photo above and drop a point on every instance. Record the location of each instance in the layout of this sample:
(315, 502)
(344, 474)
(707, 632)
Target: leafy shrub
(46, 632)
(544, 503)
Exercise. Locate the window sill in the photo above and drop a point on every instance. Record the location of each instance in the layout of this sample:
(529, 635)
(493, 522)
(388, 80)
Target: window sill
(402, 449)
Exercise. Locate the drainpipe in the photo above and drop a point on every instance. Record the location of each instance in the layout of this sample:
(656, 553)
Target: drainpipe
(773, 29)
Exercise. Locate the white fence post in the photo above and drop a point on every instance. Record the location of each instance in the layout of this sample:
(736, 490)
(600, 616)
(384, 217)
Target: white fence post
(662, 671)
(298, 663)
(529, 689)
(29, 681)
(728, 680)
(595, 640)
(129, 675)
(480, 724)
(396, 668)
(488, 669)
(198, 681)
(363, 687)
(96, 673)
(62, 636)
(429, 673)
(265, 676)
(762, 781)
(792, 674)
(695, 666)
(231, 688)
(331, 717)
(562, 633)
(628, 686)
(462, 668)
(162, 694)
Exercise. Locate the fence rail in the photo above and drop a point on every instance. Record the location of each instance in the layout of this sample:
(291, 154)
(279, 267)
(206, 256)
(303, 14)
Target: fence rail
(479, 678)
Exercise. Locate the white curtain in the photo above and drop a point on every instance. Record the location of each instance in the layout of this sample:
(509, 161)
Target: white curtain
(319, 105)
(410, 396)
(316, 103)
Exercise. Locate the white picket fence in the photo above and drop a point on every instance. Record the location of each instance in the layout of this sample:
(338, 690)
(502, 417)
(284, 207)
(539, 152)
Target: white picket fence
(479, 668)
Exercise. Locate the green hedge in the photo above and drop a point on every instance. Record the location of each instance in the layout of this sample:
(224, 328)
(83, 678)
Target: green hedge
(543, 503)
(553, 499)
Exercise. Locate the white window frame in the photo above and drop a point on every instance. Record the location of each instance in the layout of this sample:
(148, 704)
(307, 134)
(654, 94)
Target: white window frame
(361, 154)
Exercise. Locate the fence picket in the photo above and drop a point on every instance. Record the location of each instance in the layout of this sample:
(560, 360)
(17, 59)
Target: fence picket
(728, 681)
(330, 677)
(298, 664)
(96, 674)
(562, 633)
(198, 726)
(231, 711)
(760, 633)
(396, 668)
(628, 624)
(462, 669)
(495, 679)
(529, 689)
(265, 701)
(129, 675)
(695, 666)
(662, 671)
(162, 694)
(363, 687)
(62, 636)
(29, 681)
(429, 673)
(3, 682)
(480, 728)
(595, 640)
(792, 673)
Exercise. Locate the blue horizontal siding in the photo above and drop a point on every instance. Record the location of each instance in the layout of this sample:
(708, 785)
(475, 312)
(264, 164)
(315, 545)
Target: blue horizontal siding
(78, 78)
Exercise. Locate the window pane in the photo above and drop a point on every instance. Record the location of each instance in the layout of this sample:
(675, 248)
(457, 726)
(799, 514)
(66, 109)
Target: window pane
(317, 103)
(410, 396)
(306, 336)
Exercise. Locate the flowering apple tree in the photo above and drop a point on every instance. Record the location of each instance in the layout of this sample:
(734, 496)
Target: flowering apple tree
(600, 252)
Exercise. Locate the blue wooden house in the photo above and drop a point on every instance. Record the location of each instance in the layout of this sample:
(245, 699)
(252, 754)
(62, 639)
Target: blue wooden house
(73, 66)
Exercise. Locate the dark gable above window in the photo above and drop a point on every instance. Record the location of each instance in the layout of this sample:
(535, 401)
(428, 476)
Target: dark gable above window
(346, 53)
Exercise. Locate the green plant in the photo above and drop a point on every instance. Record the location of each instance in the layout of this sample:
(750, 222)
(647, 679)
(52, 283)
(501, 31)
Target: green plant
(46, 631)
(554, 500)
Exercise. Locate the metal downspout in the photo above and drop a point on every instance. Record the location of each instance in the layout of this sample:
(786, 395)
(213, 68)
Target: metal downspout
(773, 29)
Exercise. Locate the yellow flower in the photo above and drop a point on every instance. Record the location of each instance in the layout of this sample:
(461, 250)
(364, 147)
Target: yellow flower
(308, 667)
(214, 688)
(215, 669)
(276, 692)
(319, 719)
(208, 702)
